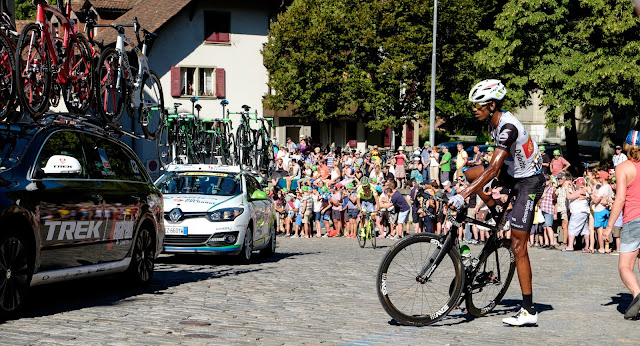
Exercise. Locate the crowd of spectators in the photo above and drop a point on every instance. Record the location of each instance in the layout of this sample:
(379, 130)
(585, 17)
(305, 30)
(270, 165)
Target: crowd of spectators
(317, 193)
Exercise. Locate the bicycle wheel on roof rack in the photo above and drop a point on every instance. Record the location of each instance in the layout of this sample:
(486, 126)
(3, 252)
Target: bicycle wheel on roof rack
(78, 92)
(7, 81)
(111, 87)
(33, 71)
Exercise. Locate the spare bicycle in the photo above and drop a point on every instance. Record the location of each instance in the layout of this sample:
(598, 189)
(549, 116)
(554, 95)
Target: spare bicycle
(121, 88)
(423, 277)
(8, 39)
(48, 65)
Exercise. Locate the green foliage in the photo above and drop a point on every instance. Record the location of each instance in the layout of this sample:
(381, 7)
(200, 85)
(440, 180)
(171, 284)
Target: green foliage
(578, 52)
(26, 11)
(332, 59)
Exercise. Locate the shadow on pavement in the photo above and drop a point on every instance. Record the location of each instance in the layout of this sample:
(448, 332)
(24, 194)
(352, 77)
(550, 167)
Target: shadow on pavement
(114, 289)
(623, 300)
(227, 260)
(506, 307)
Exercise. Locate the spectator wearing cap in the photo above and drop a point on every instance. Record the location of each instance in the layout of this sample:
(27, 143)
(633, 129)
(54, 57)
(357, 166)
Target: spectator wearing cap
(425, 155)
(434, 164)
(562, 210)
(601, 199)
(619, 157)
(445, 165)
(579, 208)
(462, 158)
(558, 163)
(487, 157)
(628, 200)
(401, 174)
(376, 156)
(416, 171)
(546, 160)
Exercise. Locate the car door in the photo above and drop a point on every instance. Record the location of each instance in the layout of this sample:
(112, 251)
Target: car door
(121, 184)
(258, 209)
(71, 210)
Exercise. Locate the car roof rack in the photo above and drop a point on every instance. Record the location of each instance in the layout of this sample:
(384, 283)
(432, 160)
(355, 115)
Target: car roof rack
(81, 121)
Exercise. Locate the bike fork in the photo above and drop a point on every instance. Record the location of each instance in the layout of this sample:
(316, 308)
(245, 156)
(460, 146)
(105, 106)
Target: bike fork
(436, 258)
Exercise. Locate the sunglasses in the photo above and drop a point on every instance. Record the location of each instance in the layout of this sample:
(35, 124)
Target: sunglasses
(480, 105)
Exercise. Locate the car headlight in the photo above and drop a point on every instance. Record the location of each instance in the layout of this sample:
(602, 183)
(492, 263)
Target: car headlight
(227, 214)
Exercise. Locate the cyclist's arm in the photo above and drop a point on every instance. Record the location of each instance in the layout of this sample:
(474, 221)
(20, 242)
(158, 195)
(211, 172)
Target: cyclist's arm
(358, 202)
(497, 159)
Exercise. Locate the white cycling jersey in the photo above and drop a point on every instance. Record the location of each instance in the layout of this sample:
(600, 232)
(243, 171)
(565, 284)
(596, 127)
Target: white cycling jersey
(524, 158)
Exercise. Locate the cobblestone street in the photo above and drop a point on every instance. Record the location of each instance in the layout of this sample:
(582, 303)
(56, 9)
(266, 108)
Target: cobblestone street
(315, 291)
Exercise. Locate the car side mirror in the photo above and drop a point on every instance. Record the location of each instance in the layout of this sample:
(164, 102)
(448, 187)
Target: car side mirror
(62, 164)
(258, 195)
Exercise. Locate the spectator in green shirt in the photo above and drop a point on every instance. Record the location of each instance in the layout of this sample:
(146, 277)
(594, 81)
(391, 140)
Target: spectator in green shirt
(445, 165)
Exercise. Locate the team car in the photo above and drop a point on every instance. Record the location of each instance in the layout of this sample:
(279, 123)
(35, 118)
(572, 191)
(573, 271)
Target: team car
(213, 209)
(74, 202)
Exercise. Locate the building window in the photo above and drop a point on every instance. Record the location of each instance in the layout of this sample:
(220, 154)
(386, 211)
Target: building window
(197, 81)
(217, 26)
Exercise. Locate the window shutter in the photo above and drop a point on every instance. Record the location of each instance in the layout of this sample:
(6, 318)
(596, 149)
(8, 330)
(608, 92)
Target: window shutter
(409, 133)
(386, 137)
(220, 83)
(175, 81)
(218, 37)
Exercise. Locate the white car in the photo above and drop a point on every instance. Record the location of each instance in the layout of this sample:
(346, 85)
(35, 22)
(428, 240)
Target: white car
(210, 209)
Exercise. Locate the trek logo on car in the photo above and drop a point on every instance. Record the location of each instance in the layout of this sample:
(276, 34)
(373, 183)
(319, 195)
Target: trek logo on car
(72, 230)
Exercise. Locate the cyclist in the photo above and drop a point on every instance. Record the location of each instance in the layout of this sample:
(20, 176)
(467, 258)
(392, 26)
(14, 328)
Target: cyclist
(517, 150)
(367, 199)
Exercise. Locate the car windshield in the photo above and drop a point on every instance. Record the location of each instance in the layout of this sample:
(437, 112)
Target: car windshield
(13, 142)
(200, 183)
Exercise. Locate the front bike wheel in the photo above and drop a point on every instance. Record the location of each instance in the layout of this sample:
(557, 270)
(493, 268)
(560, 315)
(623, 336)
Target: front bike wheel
(372, 235)
(491, 280)
(7, 80)
(408, 301)
(78, 92)
(111, 87)
(362, 237)
(151, 111)
(164, 148)
(33, 71)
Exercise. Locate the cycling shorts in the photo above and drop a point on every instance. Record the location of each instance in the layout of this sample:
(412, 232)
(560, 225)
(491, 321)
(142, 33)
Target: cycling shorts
(369, 205)
(527, 194)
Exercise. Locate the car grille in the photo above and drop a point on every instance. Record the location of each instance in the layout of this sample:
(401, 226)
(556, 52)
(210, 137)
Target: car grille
(189, 240)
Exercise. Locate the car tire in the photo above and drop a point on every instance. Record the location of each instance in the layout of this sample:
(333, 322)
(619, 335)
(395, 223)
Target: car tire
(247, 247)
(142, 258)
(15, 273)
(270, 250)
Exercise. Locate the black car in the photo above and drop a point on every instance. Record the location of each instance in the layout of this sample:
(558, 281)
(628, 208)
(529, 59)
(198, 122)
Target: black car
(74, 202)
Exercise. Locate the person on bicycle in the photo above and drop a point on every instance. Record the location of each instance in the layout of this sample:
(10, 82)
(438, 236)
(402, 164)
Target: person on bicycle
(367, 198)
(519, 153)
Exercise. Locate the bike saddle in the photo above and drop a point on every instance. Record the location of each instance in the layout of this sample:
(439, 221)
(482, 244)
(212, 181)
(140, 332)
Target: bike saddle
(246, 108)
(224, 102)
(198, 107)
(177, 104)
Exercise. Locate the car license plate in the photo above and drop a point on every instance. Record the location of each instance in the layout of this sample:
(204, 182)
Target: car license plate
(175, 230)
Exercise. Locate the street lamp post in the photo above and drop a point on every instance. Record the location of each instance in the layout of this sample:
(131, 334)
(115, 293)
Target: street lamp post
(432, 108)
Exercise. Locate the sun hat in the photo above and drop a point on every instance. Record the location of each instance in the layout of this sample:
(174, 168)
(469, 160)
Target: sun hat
(350, 186)
(603, 174)
(305, 188)
(541, 148)
(490, 149)
(374, 180)
(556, 152)
(416, 159)
(400, 149)
(324, 189)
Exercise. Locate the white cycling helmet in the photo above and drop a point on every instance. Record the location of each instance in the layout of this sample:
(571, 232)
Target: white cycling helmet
(487, 90)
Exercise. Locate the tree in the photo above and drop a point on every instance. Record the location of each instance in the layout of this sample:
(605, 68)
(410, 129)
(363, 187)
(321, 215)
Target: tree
(330, 59)
(581, 54)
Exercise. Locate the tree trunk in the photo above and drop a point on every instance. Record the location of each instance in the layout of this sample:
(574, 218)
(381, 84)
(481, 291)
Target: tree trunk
(572, 153)
(608, 132)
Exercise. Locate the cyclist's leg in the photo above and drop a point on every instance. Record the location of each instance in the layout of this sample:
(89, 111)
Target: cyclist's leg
(528, 192)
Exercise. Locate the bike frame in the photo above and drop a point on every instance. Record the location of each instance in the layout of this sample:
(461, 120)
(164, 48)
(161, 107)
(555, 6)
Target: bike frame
(48, 38)
(143, 67)
(448, 241)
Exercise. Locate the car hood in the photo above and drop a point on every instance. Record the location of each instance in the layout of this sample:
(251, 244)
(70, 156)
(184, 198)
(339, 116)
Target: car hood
(200, 203)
